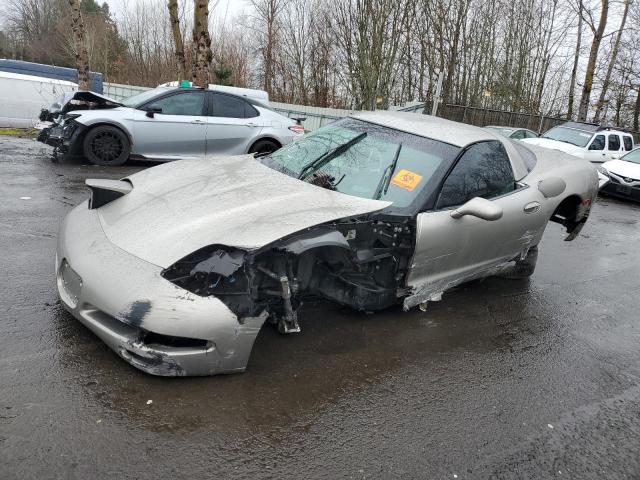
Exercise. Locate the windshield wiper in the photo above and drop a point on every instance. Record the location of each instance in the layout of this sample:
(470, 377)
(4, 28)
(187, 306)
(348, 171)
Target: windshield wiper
(387, 175)
(330, 155)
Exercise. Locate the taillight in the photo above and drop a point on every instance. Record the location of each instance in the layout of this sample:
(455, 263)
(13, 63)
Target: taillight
(297, 129)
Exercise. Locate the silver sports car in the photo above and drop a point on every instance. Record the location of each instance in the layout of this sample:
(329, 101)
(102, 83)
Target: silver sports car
(177, 267)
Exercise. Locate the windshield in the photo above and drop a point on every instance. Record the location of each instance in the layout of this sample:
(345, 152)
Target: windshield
(633, 156)
(569, 135)
(143, 97)
(365, 160)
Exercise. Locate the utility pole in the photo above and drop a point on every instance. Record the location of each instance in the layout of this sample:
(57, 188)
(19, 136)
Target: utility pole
(436, 96)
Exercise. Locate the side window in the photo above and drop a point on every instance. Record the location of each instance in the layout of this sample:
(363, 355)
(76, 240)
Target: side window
(597, 143)
(484, 170)
(614, 142)
(519, 134)
(186, 103)
(228, 106)
(628, 143)
(250, 111)
(531, 134)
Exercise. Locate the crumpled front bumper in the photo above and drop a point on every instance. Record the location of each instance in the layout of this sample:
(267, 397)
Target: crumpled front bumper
(151, 323)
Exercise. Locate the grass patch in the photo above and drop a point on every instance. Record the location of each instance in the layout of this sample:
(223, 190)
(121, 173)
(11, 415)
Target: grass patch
(19, 132)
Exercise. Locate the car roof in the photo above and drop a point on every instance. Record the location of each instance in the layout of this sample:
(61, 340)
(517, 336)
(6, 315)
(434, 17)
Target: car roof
(454, 133)
(591, 128)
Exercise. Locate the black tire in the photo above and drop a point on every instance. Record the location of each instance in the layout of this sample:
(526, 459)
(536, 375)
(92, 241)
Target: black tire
(522, 268)
(264, 147)
(106, 145)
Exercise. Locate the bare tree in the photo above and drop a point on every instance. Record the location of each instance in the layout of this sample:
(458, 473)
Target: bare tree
(369, 33)
(82, 57)
(201, 43)
(576, 58)
(612, 61)
(267, 16)
(177, 39)
(598, 32)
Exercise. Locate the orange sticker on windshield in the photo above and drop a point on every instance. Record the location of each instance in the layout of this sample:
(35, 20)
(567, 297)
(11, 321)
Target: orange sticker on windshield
(406, 179)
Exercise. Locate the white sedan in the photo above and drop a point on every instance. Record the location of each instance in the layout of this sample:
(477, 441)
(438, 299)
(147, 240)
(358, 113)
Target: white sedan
(621, 178)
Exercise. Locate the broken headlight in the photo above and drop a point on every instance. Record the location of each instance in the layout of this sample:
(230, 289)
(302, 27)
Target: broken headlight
(213, 270)
(69, 127)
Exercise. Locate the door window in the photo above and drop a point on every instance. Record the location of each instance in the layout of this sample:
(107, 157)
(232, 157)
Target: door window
(186, 103)
(628, 143)
(484, 170)
(597, 143)
(530, 134)
(614, 142)
(232, 107)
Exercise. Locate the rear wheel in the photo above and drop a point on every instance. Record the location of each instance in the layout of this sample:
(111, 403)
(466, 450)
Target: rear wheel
(522, 268)
(106, 145)
(263, 147)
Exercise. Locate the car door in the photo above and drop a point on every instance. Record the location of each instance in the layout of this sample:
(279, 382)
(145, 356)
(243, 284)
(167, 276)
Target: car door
(449, 250)
(232, 124)
(614, 146)
(177, 129)
(596, 149)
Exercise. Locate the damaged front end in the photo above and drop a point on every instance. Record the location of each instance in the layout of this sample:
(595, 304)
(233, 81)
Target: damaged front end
(360, 263)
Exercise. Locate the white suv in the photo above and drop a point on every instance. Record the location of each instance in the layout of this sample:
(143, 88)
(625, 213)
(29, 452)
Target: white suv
(591, 142)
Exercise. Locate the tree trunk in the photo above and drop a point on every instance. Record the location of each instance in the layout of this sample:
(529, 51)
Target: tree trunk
(576, 57)
(202, 44)
(591, 65)
(612, 62)
(82, 58)
(636, 113)
(177, 39)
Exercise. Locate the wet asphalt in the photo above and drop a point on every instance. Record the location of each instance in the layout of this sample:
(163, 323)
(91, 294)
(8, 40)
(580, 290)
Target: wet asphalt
(501, 379)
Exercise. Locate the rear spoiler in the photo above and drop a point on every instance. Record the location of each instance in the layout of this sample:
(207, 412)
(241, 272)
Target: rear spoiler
(105, 191)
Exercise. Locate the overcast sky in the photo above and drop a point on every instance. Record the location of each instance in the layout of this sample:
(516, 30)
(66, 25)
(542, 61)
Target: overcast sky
(224, 10)
(221, 9)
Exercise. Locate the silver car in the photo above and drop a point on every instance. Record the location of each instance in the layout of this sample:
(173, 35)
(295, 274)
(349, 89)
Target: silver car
(177, 268)
(513, 132)
(169, 123)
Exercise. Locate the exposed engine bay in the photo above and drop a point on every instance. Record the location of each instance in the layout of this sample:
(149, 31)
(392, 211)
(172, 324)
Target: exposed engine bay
(361, 263)
(71, 101)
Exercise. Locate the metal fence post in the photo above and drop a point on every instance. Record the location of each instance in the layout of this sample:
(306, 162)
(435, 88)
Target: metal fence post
(540, 125)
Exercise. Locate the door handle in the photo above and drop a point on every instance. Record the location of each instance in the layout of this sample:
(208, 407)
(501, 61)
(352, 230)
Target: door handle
(250, 124)
(532, 207)
(198, 121)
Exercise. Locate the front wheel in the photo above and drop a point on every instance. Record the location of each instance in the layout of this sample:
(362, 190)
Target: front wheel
(106, 145)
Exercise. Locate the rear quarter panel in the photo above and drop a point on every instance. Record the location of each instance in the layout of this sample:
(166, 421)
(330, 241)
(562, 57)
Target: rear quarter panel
(580, 176)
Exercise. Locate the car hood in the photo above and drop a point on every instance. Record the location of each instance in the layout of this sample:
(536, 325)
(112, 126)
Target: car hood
(556, 145)
(623, 169)
(176, 208)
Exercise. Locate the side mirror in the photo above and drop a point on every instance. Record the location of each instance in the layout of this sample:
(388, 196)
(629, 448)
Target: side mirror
(152, 110)
(552, 186)
(478, 207)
